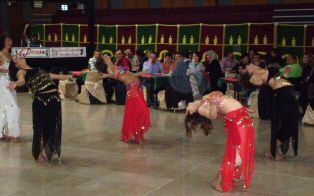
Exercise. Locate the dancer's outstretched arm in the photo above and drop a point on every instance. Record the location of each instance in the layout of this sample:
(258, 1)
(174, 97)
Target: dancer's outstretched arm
(59, 76)
(20, 80)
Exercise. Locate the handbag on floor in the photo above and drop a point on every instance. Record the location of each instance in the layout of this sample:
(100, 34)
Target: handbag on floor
(68, 89)
(308, 117)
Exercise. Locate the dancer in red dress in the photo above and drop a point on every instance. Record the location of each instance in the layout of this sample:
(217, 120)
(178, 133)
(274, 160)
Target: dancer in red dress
(239, 163)
(136, 116)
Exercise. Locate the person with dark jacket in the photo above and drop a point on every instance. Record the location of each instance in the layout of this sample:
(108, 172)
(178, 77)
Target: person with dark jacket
(212, 67)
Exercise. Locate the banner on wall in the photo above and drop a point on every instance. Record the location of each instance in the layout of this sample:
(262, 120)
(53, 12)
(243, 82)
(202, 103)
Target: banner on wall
(54, 52)
(67, 52)
(31, 52)
(290, 39)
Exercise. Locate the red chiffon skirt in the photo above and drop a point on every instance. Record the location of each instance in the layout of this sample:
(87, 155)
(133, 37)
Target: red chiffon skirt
(136, 116)
(241, 141)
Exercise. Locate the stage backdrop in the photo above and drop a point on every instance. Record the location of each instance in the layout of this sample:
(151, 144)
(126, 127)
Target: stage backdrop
(239, 38)
(309, 38)
(107, 37)
(212, 37)
(261, 38)
(290, 39)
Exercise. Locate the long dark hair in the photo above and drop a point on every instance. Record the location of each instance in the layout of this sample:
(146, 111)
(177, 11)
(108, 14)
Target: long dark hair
(192, 121)
(3, 37)
(244, 80)
(13, 71)
(101, 66)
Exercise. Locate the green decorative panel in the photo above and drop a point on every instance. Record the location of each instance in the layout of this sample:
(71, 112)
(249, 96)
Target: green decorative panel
(107, 38)
(146, 37)
(70, 35)
(40, 31)
(290, 39)
(189, 38)
(237, 38)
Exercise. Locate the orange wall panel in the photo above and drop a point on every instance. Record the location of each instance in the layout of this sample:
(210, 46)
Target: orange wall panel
(103, 4)
(177, 3)
(249, 2)
(299, 1)
(49, 9)
(130, 4)
(209, 2)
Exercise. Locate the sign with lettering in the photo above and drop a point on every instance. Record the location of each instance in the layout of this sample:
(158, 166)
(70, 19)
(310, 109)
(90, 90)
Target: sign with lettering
(67, 52)
(31, 52)
(54, 52)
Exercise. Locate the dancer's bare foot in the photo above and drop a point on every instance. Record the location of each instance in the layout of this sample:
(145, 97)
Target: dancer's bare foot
(5, 139)
(269, 156)
(216, 186)
(16, 140)
(42, 160)
(279, 157)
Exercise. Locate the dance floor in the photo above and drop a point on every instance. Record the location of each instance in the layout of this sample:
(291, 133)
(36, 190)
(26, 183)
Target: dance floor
(95, 162)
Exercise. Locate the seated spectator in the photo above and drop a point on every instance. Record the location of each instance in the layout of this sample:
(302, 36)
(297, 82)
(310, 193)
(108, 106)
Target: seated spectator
(187, 56)
(32, 41)
(195, 65)
(227, 63)
(135, 60)
(152, 66)
(179, 89)
(199, 81)
(275, 60)
(240, 67)
(292, 69)
(122, 61)
(92, 61)
(212, 67)
(252, 53)
(257, 60)
(147, 55)
(141, 56)
(307, 66)
(168, 63)
(178, 57)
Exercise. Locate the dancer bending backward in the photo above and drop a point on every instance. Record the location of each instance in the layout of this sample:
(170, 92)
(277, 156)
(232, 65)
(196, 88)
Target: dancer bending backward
(47, 121)
(136, 115)
(284, 111)
(239, 159)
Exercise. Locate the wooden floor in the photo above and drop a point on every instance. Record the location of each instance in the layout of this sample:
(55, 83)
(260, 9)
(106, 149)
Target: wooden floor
(95, 162)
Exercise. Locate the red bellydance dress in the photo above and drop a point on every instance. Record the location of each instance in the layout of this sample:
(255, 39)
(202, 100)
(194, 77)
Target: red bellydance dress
(240, 140)
(136, 116)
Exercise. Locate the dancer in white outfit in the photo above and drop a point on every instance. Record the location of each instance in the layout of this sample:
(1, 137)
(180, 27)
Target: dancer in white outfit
(9, 110)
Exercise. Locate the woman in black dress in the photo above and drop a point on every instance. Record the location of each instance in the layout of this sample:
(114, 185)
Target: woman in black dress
(284, 111)
(212, 67)
(47, 120)
(307, 66)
